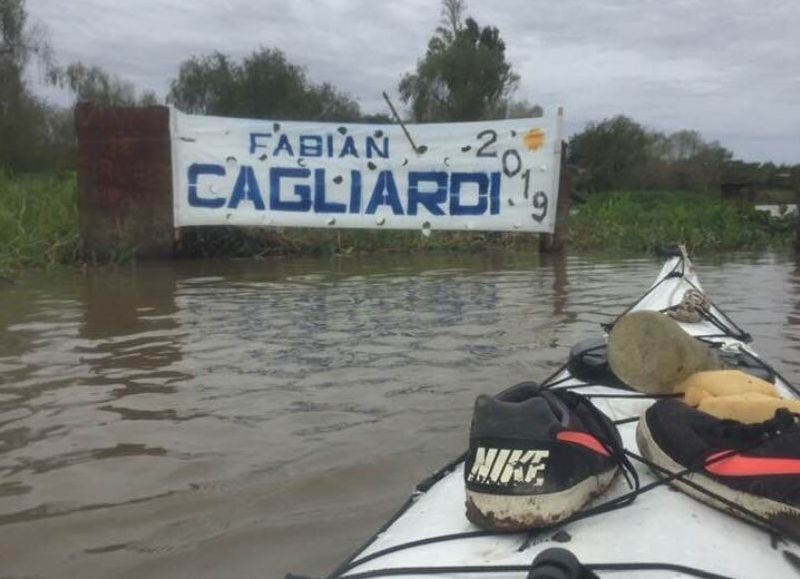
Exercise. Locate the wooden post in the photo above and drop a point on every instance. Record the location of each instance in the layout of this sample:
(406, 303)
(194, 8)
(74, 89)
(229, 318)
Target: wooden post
(124, 181)
(556, 241)
(797, 218)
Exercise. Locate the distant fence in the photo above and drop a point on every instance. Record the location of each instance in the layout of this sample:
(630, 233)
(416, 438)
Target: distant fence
(146, 172)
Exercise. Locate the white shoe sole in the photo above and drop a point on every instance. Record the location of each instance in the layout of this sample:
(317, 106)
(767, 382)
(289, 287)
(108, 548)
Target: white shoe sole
(783, 516)
(509, 513)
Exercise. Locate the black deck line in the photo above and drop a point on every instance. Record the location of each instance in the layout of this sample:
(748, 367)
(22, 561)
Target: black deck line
(427, 483)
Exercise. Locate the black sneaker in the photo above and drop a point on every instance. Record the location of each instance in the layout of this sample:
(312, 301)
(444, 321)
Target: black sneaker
(756, 466)
(536, 457)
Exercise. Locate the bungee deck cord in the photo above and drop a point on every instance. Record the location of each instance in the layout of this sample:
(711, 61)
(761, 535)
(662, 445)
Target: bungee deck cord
(728, 328)
(772, 427)
(762, 432)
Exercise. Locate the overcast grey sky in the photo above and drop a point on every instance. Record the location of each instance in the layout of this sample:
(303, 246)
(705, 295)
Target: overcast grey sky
(727, 68)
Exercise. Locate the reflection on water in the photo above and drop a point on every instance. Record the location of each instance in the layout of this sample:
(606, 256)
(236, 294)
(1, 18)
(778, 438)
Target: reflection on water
(249, 418)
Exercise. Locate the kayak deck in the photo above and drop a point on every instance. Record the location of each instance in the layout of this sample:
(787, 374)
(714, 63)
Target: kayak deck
(661, 526)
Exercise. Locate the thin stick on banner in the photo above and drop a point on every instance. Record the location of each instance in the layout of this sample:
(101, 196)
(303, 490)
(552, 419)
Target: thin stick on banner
(557, 163)
(400, 122)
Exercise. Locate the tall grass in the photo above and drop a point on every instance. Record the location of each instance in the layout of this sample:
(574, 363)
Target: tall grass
(38, 221)
(647, 220)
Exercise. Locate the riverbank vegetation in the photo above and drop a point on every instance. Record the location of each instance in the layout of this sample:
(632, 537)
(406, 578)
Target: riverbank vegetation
(39, 228)
(38, 221)
(38, 214)
(653, 220)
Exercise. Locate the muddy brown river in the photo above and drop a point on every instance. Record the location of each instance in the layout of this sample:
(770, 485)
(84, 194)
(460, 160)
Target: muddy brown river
(252, 418)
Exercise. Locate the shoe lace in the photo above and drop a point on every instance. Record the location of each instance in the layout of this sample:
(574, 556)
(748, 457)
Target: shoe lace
(608, 435)
(783, 421)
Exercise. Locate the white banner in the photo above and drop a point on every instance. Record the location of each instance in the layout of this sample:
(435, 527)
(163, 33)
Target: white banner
(490, 176)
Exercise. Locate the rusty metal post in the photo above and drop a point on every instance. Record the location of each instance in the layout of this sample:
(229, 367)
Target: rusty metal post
(124, 181)
(556, 241)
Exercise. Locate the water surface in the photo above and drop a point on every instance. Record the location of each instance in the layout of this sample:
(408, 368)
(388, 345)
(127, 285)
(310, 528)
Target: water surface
(250, 418)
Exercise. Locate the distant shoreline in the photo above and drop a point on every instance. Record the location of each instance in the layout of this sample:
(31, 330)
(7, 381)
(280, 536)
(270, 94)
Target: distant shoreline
(39, 229)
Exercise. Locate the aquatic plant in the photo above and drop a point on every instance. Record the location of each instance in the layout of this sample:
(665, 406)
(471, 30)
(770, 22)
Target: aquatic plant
(647, 220)
(38, 220)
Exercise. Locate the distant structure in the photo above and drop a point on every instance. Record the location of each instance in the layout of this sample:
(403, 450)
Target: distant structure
(126, 175)
(556, 241)
(125, 180)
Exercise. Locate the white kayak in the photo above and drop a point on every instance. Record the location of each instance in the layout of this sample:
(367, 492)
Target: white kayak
(662, 533)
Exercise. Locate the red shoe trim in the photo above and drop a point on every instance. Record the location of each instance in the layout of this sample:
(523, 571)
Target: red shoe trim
(738, 465)
(583, 439)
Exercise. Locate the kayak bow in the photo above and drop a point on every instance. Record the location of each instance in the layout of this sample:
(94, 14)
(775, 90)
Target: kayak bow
(659, 534)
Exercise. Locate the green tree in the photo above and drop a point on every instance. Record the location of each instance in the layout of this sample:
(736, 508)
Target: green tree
(264, 85)
(206, 85)
(26, 124)
(695, 164)
(96, 85)
(612, 154)
(522, 109)
(619, 153)
(19, 42)
(464, 75)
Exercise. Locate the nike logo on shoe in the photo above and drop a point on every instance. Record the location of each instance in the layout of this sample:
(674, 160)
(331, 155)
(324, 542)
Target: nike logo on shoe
(503, 466)
(740, 465)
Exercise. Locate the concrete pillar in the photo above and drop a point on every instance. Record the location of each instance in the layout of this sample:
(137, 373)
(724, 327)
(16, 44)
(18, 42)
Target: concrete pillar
(555, 242)
(124, 181)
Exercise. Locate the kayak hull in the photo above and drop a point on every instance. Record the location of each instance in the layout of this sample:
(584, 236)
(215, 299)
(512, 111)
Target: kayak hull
(669, 529)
